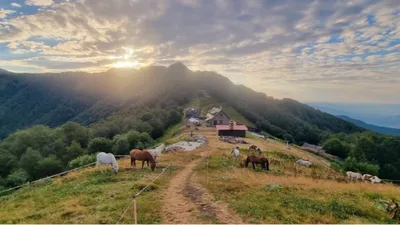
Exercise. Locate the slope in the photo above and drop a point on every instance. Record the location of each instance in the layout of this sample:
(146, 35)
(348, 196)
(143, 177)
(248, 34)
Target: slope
(53, 99)
(378, 129)
(203, 189)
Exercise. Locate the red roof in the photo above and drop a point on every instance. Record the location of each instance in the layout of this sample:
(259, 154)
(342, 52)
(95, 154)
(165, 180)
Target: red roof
(228, 127)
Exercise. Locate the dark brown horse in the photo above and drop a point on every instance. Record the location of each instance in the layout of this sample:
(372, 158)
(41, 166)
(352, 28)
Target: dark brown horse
(144, 156)
(257, 160)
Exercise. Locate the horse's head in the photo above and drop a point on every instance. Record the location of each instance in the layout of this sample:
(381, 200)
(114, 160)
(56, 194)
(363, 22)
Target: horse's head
(152, 166)
(115, 168)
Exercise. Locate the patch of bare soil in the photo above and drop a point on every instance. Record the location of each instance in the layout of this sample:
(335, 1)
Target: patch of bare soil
(186, 201)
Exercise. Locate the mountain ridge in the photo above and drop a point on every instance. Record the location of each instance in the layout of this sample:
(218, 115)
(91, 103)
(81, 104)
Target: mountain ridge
(372, 127)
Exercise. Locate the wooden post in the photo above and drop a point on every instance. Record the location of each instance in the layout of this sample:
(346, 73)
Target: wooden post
(207, 170)
(134, 210)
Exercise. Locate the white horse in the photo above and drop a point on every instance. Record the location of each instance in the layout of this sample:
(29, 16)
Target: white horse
(369, 177)
(157, 151)
(354, 176)
(107, 159)
(303, 163)
(236, 153)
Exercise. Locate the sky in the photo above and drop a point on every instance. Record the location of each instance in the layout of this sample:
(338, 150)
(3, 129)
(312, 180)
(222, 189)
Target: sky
(313, 51)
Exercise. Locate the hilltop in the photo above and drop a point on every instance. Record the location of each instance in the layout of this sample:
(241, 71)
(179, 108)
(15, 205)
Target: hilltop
(205, 186)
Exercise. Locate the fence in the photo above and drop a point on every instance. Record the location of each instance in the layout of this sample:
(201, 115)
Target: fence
(46, 178)
(137, 195)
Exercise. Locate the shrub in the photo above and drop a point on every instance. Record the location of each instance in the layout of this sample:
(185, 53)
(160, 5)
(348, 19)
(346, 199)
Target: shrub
(82, 160)
(17, 177)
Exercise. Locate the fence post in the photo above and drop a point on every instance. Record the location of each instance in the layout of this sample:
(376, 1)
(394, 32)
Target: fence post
(207, 170)
(134, 210)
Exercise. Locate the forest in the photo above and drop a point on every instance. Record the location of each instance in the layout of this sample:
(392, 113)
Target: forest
(62, 119)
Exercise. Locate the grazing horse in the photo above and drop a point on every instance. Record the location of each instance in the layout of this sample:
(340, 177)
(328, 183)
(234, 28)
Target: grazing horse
(142, 155)
(303, 163)
(108, 159)
(235, 152)
(369, 177)
(254, 147)
(257, 160)
(354, 176)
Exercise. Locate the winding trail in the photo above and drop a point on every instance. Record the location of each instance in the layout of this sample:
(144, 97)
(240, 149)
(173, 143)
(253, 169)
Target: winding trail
(186, 201)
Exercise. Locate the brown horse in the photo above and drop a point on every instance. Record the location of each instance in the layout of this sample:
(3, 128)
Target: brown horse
(144, 156)
(257, 160)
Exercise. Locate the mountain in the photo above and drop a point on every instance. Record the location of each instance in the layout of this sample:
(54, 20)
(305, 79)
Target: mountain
(386, 115)
(53, 99)
(378, 129)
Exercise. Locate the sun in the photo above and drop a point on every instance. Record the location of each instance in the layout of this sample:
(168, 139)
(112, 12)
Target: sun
(126, 64)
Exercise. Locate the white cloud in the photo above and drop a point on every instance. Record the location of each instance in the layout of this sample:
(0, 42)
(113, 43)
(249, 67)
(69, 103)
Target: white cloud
(5, 12)
(14, 4)
(39, 2)
(284, 44)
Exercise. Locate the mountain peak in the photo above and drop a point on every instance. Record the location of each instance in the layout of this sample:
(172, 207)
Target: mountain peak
(178, 66)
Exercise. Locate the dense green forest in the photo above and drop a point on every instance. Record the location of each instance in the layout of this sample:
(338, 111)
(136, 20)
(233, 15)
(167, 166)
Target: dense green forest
(118, 108)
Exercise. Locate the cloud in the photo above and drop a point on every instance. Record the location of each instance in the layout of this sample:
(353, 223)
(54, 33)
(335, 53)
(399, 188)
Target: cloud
(272, 46)
(14, 4)
(39, 2)
(5, 12)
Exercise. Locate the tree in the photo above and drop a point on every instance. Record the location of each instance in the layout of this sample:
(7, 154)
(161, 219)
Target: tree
(75, 132)
(49, 166)
(173, 117)
(99, 145)
(158, 128)
(73, 151)
(335, 147)
(17, 177)
(121, 146)
(7, 162)
(145, 139)
(133, 138)
(29, 161)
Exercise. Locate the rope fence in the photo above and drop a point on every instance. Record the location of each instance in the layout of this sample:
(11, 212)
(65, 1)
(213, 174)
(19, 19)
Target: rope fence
(137, 195)
(46, 178)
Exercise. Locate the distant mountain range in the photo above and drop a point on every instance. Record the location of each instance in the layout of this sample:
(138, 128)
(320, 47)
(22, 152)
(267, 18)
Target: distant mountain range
(378, 129)
(384, 115)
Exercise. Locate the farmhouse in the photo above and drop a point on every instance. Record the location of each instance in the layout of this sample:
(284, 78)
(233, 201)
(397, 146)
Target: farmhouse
(232, 129)
(217, 116)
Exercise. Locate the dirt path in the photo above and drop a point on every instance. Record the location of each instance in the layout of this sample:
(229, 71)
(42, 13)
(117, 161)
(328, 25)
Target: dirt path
(186, 201)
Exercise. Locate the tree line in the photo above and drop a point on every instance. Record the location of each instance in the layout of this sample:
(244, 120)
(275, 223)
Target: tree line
(40, 151)
(366, 152)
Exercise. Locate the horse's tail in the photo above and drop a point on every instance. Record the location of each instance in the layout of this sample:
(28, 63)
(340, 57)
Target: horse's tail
(267, 164)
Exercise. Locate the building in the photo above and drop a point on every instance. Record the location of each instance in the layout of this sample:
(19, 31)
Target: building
(192, 113)
(217, 116)
(232, 129)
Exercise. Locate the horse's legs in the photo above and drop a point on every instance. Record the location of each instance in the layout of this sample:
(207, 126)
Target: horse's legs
(143, 164)
(147, 163)
(254, 166)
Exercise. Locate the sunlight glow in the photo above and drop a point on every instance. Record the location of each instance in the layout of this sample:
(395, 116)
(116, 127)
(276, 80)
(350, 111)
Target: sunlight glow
(124, 64)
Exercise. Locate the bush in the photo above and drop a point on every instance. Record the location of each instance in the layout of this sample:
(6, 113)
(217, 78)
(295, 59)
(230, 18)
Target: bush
(29, 161)
(73, 151)
(351, 164)
(82, 160)
(121, 146)
(49, 166)
(17, 177)
(335, 147)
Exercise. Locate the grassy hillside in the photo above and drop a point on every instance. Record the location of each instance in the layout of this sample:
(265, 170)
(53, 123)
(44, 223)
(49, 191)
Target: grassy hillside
(285, 194)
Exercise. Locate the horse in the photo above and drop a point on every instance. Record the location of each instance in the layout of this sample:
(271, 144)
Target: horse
(257, 160)
(108, 159)
(303, 163)
(354, 176)
(142, 155)
(254, 147)
(369, 177)
(236, 153)
(156, 152)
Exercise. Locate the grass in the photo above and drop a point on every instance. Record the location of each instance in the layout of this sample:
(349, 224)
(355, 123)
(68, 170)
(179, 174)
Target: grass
(306, 195)
(89, 197)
